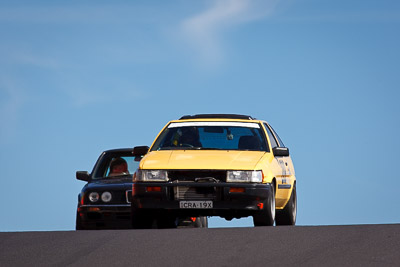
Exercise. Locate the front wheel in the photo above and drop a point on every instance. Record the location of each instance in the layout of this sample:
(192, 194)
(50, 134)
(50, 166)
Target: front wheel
(193, 222)
(204, 221)
(78, 224)
(287, 216)
(141, 219)
(165, 221)
(201, 222)
(266, 217)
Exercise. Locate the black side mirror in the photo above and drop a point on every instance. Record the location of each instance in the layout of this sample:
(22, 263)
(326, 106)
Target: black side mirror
(83, 176)
(281, 151)
(139, 151)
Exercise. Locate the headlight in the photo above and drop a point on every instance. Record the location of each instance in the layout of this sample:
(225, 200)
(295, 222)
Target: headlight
(244, 176)
(151, 176)
(106, 197)
(94, 197)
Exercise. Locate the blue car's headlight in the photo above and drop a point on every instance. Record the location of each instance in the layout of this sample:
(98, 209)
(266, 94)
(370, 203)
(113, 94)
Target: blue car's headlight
(94, 197)
(106, 196)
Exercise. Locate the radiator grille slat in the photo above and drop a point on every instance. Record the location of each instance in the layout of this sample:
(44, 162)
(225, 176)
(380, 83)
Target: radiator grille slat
(192, 193)
(128, 196)
(191, 175)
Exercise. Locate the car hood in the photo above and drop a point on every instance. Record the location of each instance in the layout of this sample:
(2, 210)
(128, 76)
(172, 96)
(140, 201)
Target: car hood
(111, 183)
(202, 159)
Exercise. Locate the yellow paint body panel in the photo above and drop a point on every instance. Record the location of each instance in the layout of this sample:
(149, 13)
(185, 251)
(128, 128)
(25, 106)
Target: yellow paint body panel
(201, 159)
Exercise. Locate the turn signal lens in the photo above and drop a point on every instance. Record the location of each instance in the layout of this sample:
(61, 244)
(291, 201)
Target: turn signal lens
(236, 190)
(94, 209)
(153, 189)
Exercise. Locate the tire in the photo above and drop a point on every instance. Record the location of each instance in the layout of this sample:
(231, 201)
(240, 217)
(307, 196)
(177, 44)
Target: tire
(78, 223)
(204, 222)
(288, 215)
(201, 222)
(187, 222)
(166, 222)
(266, 217)
(141, 219)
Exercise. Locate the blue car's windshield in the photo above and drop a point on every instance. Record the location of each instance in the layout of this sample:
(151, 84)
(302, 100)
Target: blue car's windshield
(116, 166)
(212, 136)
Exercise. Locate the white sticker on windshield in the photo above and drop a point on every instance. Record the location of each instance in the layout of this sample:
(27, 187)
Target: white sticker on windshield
(214, 123)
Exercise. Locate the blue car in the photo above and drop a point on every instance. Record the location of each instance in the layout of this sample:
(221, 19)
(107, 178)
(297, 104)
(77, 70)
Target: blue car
(105, 200)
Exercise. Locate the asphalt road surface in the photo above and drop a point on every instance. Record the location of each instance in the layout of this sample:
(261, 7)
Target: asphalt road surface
(355, 245)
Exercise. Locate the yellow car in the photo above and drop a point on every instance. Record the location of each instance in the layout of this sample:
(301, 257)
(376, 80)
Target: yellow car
(224, 165)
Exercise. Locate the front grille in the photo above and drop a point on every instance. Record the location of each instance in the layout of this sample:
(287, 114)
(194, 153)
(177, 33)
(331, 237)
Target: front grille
(128, 195)
(189, 175)
(195, 193)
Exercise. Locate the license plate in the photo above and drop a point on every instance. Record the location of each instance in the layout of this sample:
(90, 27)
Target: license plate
(204, 204)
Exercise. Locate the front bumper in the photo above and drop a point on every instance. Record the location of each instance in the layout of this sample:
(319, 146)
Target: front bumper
(229, 200)
(116, 216)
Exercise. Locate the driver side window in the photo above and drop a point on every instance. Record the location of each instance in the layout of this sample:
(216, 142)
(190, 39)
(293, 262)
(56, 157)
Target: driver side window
(271, 137)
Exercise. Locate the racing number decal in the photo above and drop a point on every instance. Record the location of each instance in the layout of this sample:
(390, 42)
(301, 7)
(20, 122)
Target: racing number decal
(282, 164)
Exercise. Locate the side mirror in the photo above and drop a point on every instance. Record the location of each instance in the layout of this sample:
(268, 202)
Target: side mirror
(83, 176)
(281, 151)
(139, 151)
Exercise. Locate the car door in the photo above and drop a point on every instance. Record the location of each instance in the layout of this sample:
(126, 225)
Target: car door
(285, 178)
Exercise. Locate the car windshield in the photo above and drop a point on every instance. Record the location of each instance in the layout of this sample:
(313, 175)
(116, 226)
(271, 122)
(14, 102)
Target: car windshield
(115, 166)
(211, 136)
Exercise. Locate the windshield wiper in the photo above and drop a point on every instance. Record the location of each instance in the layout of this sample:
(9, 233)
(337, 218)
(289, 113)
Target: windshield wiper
(193, 148)
(180, 148)
(213, 148)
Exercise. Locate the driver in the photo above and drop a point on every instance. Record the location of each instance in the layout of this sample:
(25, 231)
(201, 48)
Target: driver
(118, 166)
(190, 137)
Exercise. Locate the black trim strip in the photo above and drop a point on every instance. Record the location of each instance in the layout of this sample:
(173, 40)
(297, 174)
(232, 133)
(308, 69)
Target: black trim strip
(284, 186)
(106, 206)
(217, 116)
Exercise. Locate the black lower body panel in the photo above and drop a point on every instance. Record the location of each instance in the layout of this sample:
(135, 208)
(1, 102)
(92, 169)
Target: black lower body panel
(228, 200)
(105, 217)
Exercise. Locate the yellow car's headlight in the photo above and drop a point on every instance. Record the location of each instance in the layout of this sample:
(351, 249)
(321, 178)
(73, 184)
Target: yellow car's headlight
(244, 176)
(151, 176)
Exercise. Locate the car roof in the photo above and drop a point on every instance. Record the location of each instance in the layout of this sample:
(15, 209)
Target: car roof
(217, 116)
(119, 150)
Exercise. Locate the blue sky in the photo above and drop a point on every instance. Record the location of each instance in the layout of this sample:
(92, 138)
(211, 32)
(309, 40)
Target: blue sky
(80, 77)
